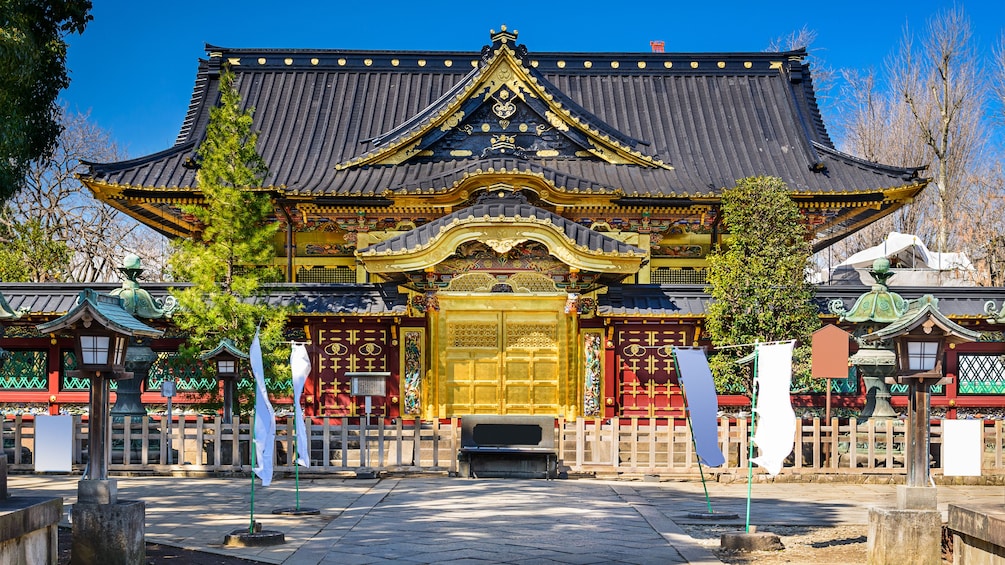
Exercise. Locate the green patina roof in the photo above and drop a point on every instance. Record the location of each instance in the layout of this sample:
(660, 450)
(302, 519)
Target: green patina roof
(6, 312)
(877, 305)
(918, 312)
(225, 345)
(106, 310)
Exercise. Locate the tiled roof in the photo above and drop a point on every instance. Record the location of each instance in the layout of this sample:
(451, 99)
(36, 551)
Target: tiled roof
(957, 303)
(713, 117)
(50, 300)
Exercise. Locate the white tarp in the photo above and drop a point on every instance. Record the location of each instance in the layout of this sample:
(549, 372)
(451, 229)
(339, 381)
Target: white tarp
(913, 263)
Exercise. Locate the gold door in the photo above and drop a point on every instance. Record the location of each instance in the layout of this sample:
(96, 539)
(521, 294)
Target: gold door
(503, 354)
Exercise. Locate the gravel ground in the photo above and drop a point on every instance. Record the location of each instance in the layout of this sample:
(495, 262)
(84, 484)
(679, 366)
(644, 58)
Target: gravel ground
(816, 545)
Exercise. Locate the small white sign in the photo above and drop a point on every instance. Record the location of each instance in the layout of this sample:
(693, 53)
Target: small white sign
(962, 447)
(54, 444)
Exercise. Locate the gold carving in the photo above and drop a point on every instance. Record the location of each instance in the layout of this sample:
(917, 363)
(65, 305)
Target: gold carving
(504, 124)
(547, 153)
(473, 335)
(472, 282)
(694, 64)
(486, 127)
(422, 62)
(555, 121)
(504, 108)
(288, 61)
(452, 121)
(531, 282)
(448, 63)
(315, 61)
(642, 64)
(668, 64)
(721, 64)
(561, 64)
(503, 245)
(368, 62)
(341, 62)
(460, 153)
(523, 127)
(261, 60)
(370, 349)
(233, 61)
(747, 64)
(587, 64)
(394, 62)
(542, 336)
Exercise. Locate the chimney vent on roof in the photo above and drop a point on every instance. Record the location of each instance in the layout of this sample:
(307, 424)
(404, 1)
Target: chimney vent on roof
(657, 45)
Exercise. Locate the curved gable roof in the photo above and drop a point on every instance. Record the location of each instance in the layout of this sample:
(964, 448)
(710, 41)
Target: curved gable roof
(516, 221)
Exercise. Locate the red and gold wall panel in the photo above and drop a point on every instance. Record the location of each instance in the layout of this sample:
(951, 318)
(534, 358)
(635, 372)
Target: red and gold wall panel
(647, 379)
(348, 347)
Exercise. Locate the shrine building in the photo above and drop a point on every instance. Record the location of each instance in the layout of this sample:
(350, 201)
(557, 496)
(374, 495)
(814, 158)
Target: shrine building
(508, 231)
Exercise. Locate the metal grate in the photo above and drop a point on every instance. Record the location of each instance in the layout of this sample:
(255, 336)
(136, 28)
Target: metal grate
(677, 275)
(981, 374)
(326, 275)
(25, 370)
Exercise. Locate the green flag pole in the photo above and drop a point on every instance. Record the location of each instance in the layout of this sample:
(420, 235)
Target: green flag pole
(251, 526)
(296, 459)
(750, 442)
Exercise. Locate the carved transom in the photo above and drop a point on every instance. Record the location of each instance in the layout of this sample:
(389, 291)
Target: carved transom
(518, 282)
(473, 335)
(534, 336)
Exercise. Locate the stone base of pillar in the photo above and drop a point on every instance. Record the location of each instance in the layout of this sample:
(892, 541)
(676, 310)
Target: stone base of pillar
(898, 536)
(111, 534)
(917, 498)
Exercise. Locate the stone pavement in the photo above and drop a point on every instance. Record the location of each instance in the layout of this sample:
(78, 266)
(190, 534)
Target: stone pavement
(452, 520)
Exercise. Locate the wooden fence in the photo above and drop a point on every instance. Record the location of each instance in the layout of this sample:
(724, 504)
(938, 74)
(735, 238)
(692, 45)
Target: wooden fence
(603, 447)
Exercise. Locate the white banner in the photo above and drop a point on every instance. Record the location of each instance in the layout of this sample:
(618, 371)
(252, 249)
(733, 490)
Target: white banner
(300, 365)
(775, 431)
(265, 418)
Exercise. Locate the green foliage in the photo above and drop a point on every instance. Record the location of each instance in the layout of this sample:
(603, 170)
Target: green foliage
(758, 282)
(29, 253)
(224, 300)
(32, 72)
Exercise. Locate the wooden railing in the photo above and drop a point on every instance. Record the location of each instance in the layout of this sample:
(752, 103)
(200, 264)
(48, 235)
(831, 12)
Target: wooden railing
(604, 447)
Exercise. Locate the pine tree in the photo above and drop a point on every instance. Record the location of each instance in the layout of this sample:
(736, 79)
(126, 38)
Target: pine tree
(224, 260)
(758, 281)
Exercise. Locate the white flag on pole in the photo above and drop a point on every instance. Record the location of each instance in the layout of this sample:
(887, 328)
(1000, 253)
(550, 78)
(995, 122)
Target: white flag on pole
(265, 418)
(776, 422)
(300, 364)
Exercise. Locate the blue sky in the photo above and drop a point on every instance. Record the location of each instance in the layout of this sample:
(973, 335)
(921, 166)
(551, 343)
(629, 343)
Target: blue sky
(134, 67)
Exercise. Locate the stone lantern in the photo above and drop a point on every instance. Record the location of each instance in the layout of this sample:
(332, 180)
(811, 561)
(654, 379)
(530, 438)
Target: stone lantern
(140, 356)
(874, 361)
(105, 530)
(227, 358)
(912, 532)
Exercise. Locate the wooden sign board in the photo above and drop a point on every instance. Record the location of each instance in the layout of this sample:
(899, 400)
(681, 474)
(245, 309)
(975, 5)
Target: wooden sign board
(830, 353)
